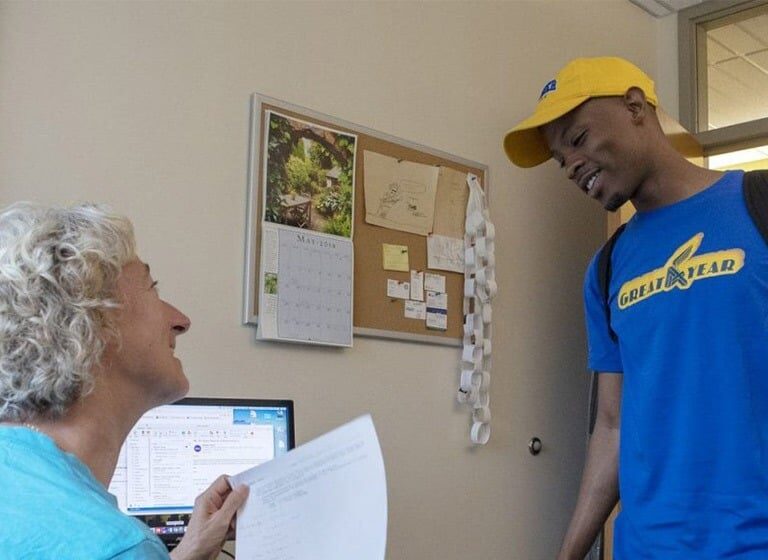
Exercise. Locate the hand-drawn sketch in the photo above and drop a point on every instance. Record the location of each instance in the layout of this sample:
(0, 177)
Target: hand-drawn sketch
(411, 190)
(390, 198)
(399, 194)
(445, 253)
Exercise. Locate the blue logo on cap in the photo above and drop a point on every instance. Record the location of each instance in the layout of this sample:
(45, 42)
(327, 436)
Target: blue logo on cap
(551, 86)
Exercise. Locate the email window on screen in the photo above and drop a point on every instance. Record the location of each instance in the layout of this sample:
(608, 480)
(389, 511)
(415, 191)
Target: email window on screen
(174, 453)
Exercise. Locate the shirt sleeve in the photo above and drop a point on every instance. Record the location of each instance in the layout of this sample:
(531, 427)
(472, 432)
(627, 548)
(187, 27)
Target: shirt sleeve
(603, 353)
(148, 549)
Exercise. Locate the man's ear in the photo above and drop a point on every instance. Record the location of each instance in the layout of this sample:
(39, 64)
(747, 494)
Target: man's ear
(636, 103)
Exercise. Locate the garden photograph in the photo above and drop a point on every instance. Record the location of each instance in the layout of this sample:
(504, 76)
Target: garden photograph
(309, 179)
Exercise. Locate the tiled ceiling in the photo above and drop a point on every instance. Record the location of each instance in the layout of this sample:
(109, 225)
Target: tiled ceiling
(737, 64)
(737, 72)
(661, 8)
(737, 79)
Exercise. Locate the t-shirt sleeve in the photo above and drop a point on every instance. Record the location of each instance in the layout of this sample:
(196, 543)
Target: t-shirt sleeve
(148, 549)
(603, 353)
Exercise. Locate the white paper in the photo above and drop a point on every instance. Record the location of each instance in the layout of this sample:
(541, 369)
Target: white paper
(445, 253)
(306, 286)
(415, 310)
(451, 203)
(399, 194)
(325, 500)
(437, 319)
(437, 300)
(400, 290)
(434, 282)
(417, 285)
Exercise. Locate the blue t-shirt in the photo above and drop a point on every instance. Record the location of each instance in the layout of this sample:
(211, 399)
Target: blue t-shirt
(689, 303)
(51, 507)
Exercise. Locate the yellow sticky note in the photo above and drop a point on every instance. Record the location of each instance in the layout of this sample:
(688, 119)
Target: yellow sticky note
(395, 257)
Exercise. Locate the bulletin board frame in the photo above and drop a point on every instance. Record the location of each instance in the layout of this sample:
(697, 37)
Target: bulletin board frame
(374, 314)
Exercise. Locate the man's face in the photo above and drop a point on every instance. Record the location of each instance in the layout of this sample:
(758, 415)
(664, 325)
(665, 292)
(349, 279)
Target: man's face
(599, 146)
(148, 327)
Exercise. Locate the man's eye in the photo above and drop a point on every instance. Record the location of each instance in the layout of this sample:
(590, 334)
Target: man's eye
(579, 140)
(154, 285)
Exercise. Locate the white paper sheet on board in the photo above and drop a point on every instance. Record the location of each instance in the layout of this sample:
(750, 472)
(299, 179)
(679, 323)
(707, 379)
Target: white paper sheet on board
(445, 253)
(399, 194)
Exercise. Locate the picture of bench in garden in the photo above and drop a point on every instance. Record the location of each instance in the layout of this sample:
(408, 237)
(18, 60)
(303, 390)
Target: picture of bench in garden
(309, 179)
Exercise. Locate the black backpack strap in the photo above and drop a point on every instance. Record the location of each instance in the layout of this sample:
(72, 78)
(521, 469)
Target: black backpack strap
(604, 275)
(755, 189)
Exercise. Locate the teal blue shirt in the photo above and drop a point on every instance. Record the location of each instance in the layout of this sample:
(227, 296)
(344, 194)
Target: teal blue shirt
(51, 507)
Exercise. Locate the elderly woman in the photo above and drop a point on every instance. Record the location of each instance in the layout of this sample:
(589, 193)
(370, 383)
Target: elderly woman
(86, 347)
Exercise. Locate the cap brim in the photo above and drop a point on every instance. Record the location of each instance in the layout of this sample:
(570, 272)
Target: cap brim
(525, 145)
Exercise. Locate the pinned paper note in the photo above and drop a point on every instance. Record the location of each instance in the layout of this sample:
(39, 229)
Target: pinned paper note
(395, 257)
(445, 253)
(437, 319)
(399, 290)
(451, 203)
(415, 310)
(437, 300)
(417, 285)
(399, 194)
(434, 282)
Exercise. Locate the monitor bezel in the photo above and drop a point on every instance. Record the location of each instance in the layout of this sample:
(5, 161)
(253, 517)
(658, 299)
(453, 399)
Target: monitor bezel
(256, 403)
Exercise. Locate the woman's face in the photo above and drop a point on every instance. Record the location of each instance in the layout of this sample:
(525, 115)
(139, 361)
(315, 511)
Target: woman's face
(148, 326)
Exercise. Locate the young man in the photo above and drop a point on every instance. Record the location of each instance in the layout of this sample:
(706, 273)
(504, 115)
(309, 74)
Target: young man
(86, 347)
(682, 353)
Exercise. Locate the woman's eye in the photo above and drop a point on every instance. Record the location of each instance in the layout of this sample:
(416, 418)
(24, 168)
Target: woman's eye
(154, 285)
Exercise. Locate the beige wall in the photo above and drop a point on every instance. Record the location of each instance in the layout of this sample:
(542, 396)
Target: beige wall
(144, 105)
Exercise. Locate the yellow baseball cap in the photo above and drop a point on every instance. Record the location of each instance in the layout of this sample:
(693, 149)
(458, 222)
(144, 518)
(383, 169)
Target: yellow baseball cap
(579, 80)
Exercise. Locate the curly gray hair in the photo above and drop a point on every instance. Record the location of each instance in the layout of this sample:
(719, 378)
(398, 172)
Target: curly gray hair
(58, 279)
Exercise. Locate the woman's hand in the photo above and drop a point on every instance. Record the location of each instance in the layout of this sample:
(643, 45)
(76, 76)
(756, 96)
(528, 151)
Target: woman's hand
(212, 521)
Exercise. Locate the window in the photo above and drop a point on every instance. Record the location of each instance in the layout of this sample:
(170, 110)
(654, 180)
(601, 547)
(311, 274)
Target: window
(724, 80)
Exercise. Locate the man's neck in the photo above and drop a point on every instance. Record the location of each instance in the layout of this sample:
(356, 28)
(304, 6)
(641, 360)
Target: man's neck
(673, 179)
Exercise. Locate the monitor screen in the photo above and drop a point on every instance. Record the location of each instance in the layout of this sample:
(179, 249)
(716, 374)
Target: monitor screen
(175, 451)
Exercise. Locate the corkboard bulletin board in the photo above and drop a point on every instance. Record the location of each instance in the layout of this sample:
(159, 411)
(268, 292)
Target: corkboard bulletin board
(374, 314)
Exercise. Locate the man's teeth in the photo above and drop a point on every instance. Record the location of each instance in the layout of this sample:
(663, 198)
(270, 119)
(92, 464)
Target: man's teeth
(591, 182)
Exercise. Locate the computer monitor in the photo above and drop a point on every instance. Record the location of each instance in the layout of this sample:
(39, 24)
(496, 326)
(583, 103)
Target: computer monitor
(175, 451)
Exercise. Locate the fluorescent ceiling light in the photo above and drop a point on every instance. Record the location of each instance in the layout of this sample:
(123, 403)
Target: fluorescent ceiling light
(738, 158)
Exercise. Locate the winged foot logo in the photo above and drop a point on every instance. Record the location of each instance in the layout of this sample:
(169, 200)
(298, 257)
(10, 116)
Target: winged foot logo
(680, 271)
(548, 88)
